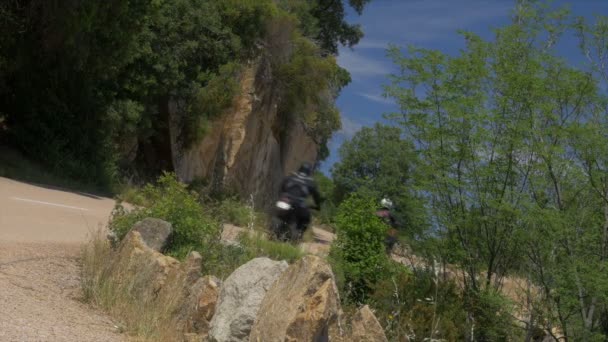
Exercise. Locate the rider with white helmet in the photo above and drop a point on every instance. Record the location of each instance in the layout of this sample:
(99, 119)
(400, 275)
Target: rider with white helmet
(386, 205)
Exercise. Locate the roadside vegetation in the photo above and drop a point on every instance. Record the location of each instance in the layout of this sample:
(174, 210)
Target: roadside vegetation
(496, 156)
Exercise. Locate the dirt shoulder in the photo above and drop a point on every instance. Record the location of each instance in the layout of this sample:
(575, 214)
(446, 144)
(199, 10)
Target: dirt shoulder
(41, 231)
(40, 297)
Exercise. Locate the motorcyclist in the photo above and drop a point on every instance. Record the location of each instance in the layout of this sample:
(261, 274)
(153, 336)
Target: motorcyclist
(296, 188)
(385, 214)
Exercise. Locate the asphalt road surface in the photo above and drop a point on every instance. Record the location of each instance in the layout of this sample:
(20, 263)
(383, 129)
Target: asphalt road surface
(41, 232)
(34, 213)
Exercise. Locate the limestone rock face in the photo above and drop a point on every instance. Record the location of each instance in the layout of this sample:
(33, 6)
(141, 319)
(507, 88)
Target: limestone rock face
(246, 149)
(302, 305)
(366, 328)
(240, 298)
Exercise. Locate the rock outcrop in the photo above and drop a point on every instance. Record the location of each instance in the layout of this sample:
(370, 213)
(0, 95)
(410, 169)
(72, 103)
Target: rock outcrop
(199, 307)
(154, 232)
(366, 328)
(263, 300)
(138, 256)
(248, 149)
(302, 305)
(240, 298)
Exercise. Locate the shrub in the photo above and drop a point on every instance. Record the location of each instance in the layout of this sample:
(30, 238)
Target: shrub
(492, 315)
(235, 212)
(418, 307)
(358, 255)
(171, 201)
(327, 189)
(258, 246)
(221, 260)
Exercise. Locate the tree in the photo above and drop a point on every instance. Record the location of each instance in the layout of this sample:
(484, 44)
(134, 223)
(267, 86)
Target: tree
(333, 29)
(63, 59)
(87, 86)
(495, 130)
(324, 21)
(377, 162)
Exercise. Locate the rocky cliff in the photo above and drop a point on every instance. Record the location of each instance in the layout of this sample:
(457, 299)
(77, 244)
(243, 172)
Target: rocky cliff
(249, 148)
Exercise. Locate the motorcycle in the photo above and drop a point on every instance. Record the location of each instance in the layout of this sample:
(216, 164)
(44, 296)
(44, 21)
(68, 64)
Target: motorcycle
(284, 225)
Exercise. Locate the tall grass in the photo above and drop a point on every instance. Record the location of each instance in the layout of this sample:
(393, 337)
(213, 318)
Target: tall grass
(258, 246)
(239, 213)
(124, 290)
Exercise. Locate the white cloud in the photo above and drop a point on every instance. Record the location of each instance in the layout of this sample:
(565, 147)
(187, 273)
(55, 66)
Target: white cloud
(414, 21)
(421, 21)
(349, 127)
(361, 66)
(377, 98)
(369, 43)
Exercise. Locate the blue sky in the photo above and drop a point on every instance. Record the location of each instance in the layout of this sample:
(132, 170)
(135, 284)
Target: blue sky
(425, 23)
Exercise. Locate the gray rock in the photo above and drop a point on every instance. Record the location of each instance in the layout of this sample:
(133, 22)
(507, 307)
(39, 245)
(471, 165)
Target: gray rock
(154, 232)
(302, 305)
(240, 298)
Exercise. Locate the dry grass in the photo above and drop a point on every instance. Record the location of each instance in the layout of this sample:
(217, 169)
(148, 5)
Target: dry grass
(124, 289)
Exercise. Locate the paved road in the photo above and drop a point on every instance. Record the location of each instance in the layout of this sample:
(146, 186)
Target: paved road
(41, 232)
(31, 213)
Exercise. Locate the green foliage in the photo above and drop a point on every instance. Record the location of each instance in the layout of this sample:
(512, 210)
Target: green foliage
(221, 260)
(169, 200)
(492, 312)
(326, 189)
(246, 19)
(308, 81)
(59, 81)
(358, 254)
(86, 87)
(375, 163)
(419, 306)
(508, 140)
(257, 246)
(333, 29)
(234, 211)
(208, 102)
(14, 165)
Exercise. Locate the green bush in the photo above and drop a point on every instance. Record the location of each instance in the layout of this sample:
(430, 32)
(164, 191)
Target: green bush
(221, 260)
(358, 255)
(257, 246)
(326, 188)
(234, 211)
(492, 314)
(171, 201)
(418, 307)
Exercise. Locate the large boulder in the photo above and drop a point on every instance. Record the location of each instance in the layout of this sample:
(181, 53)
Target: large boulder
(199, 306)
(366, 328)
(154, 232)
(302, 305)
(240, 298)
(144, 267)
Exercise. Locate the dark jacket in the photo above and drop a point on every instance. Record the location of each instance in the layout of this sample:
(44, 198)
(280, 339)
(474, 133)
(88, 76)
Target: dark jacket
(386, 215)
(297, 187)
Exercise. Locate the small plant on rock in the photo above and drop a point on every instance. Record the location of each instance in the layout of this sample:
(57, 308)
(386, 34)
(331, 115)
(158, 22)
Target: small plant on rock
(169, 200)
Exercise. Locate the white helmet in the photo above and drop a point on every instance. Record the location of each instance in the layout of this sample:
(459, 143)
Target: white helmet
(386, 203)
